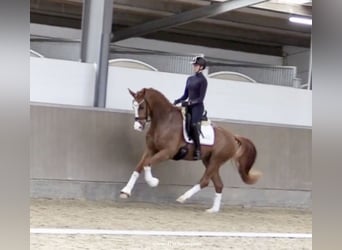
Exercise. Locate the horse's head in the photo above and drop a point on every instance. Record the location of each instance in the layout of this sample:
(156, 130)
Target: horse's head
(141, 109)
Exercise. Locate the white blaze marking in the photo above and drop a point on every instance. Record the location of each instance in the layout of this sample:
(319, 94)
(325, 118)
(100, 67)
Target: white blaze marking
(135, 107)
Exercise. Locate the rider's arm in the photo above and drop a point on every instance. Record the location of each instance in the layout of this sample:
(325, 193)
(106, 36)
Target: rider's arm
(184, 96)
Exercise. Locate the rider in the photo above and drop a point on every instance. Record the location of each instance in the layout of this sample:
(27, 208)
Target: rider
(195, 90)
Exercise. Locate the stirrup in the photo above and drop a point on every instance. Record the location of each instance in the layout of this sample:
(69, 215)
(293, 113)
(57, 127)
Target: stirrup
(197, 155)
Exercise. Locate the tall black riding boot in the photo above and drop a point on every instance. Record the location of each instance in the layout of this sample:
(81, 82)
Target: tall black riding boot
(195, 136)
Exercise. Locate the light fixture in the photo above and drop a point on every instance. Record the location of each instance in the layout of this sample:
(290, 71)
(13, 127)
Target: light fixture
(301, 20)
(291, 1)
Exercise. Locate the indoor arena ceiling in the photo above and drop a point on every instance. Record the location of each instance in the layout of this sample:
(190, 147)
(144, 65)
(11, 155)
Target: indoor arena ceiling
(261, 28)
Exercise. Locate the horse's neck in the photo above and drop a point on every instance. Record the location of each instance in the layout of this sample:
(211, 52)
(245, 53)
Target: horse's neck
(160, 108)
(159, 112)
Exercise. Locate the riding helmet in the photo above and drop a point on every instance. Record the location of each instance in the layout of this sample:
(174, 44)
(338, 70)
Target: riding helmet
(198, 60)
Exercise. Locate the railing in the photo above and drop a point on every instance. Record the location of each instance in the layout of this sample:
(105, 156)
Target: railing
(179, 63)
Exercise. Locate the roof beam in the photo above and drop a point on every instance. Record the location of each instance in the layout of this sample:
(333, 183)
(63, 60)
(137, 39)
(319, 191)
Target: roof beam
(182, 18)
(293, 9)
(188, 38)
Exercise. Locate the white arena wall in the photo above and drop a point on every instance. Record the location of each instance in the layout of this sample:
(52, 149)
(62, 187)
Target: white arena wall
(72, 83)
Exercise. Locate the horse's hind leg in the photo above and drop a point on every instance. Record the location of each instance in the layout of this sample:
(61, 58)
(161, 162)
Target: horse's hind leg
(204, 182)
(216, 179)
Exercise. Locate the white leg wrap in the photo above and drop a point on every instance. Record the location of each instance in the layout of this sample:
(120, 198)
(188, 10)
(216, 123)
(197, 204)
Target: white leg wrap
(189, 193)
(151, 181)
(217, 203)
(130, 184)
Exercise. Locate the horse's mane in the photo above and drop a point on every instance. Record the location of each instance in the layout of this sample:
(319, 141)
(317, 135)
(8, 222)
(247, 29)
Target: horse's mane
(151, 92)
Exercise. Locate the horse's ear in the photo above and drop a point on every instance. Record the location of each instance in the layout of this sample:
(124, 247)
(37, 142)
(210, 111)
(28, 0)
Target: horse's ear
(132, 93)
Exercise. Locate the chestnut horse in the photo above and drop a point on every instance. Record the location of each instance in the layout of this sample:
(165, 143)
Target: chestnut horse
(165, 138)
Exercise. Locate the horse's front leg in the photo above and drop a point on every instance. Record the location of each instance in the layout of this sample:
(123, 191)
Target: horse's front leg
(156, 158)
(126, 191)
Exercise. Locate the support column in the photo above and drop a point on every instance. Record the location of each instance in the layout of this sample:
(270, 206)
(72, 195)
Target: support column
(96, 35)
(310, 67)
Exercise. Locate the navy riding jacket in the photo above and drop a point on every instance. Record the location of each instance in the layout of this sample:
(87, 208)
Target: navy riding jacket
(195, 89)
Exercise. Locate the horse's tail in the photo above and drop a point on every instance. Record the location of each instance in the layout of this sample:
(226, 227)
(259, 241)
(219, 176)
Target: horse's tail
(244, 158)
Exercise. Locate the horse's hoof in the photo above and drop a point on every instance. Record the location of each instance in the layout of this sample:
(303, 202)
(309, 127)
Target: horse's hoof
(212, 210)
(124, 195)
(153, 182)
(181, 199)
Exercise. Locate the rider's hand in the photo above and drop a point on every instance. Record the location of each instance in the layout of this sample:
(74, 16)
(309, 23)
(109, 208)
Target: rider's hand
(185, 104)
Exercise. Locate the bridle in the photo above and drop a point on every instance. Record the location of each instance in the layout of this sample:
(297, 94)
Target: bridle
(136, 106)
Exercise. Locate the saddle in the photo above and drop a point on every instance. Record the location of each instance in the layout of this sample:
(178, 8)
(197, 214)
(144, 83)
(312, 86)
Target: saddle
(207, 135)
(206, 131)
(187, 117)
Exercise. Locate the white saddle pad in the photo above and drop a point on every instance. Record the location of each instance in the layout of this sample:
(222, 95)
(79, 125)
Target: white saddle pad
(206, 137)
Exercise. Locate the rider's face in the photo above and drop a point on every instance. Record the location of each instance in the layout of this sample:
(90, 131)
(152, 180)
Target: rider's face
(197, 68)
